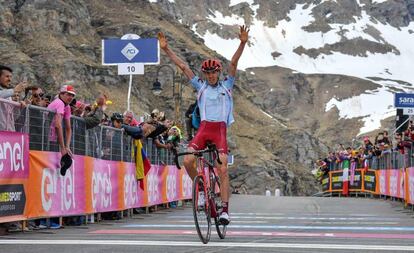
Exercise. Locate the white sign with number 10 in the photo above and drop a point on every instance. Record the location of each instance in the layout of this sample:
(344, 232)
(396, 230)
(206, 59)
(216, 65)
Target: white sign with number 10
(130, 69)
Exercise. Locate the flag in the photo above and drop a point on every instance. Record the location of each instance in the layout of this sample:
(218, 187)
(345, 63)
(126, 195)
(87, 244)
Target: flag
(345, 175)
(353, 168)
(142, 163)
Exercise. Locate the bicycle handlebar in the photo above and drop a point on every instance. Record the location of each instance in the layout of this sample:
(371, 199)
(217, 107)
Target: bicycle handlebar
(210, 148)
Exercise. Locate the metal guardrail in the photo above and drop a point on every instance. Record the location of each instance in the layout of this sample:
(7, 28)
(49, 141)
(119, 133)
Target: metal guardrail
(102, 142)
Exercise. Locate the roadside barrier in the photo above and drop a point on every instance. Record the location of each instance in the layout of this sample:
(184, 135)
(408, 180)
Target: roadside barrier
(393, 182)
(102, 177)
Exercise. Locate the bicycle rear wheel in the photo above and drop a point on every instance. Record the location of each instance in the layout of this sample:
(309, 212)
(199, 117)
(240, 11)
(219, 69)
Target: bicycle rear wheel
(202, 215)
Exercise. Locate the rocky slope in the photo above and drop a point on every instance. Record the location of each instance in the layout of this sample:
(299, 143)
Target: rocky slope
(281, 124)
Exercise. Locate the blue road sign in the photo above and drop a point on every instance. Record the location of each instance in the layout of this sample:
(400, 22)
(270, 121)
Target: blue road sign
(116, 51)
(404, 100)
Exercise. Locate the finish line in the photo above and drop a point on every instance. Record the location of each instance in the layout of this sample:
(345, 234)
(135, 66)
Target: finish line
(211, 244)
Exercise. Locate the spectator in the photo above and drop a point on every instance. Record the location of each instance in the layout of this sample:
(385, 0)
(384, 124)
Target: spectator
(386, 139)
(137, 132)
(6, 91)
(379, 139)
(189, 120)
(330, 160)
(96, 115)
(174, 136)
(63, 113)
(129, 119)
(401, 144)
(361, 157)
(116, 120)
(38, 97)
(160, 135)
(77, 108)
(368, 144)
(7, 111)
(47, 99)
(154, 116)
(322, 169)
(36, 119)
(16, 97)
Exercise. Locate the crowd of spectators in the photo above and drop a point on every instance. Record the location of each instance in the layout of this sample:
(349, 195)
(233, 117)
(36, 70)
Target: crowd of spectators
(66, 104)
(369, 151)
(164, 131)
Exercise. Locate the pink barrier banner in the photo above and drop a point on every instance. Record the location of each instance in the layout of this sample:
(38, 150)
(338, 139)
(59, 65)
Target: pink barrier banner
(155, 185)
(410, 185)
(383, 182)
(133, 194)
(93, 185)
(393, 176)
(186, 186)
(401, 183)
(14, 155)
(105, 186)
(172, 184)
(51, 194)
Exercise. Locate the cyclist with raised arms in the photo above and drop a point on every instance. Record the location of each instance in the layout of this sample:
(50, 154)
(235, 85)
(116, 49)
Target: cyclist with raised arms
(215, 101)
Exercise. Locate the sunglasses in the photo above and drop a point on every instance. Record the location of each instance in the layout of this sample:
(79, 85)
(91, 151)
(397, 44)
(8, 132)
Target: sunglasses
(40, 95)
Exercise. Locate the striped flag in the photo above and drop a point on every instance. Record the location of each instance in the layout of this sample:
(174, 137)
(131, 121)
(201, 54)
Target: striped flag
(142, 163)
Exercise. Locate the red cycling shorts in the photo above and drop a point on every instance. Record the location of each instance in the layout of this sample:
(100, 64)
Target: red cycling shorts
(215, 132)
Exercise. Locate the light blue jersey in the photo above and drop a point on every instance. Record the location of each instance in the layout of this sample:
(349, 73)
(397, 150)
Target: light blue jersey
(215, 103)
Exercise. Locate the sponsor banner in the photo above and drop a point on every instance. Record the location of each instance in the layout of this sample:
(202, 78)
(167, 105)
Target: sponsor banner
(90, 185)
(105, 182)
(155, 185)
(12, 200)
(409, 175)
(132, 193)
(14, 155)
(186, 185)
(356, 184)
(49, 193)
(393, 177)
(383, 182)
(401, 184)
(336, 179)
(172, 184)
(325, 182)
(370, 181)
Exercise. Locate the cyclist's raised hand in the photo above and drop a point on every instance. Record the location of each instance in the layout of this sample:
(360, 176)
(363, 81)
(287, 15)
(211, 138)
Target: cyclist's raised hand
(162, 40)
(244, 34)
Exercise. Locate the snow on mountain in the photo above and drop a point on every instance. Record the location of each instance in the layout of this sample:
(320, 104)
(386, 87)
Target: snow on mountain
(390, 69)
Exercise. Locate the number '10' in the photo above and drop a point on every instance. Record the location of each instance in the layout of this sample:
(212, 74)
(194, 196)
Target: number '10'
(131, 69)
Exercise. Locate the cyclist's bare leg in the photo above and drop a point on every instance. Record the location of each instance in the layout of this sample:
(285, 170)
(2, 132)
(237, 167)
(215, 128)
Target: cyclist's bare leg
(224, 178)
(190, 164)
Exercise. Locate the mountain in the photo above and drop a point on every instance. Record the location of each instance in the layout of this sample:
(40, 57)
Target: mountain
(370, 40)
(289, 103)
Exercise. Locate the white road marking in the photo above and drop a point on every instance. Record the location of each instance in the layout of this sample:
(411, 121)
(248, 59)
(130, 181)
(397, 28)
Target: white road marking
(211, 244)
(270, 226)
(239, 221)
(298, 218)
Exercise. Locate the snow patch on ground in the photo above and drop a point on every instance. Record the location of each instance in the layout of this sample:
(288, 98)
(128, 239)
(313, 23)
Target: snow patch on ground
(288, 35)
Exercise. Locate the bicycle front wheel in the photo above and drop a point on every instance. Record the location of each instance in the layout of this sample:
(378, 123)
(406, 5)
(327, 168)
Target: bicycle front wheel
(221, 228)
(201, 210)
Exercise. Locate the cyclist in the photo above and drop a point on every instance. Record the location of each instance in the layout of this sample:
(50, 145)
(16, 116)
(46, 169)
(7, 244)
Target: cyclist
(215, 101)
